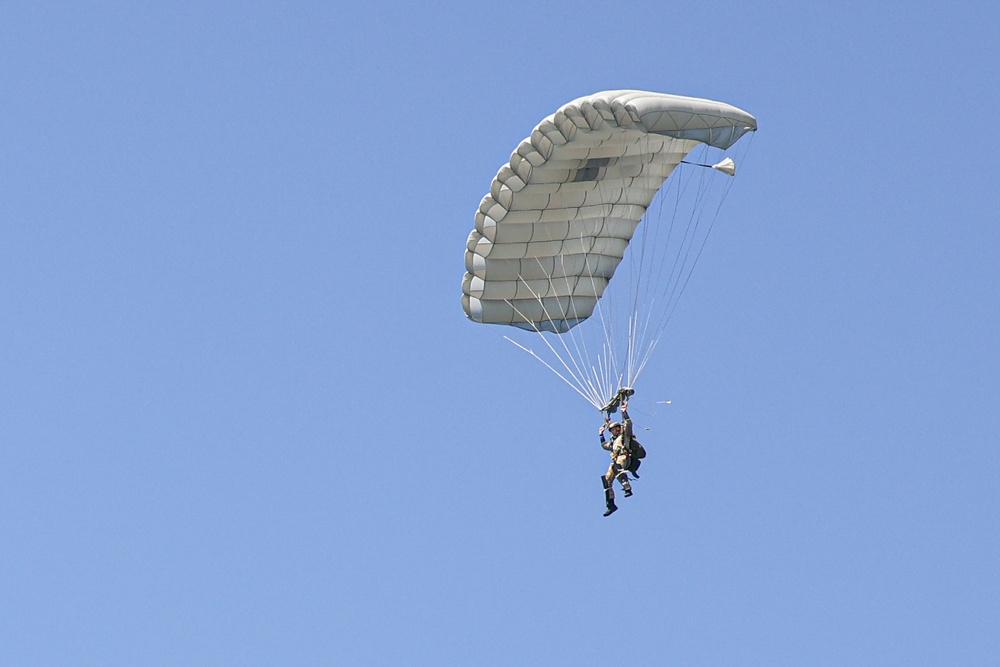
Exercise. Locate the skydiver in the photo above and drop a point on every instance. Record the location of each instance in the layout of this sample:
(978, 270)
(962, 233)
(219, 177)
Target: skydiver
(620, 447)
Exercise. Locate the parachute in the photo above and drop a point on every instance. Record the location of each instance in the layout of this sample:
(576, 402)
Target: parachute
(561, 215)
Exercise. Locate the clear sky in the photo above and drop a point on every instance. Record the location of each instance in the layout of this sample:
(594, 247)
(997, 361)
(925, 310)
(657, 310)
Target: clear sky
(244, 421)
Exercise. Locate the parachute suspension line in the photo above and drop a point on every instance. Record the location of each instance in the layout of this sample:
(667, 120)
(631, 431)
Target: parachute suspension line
(635, 266)
(580, 341)
(614, 321)
(684, 247)
(681, 232)
(680, 271)
(632, 334)
(582, 384)
(609, 365)
(711, 225)
(577, 356)
(698, 214)
(640, 264)
(606, 360)
(647, 266)
(678, 288)
(575, 388)
(597, 381)
(648, 245)
(684, 254)
(579, 386)
(678, 182)
(680, 256)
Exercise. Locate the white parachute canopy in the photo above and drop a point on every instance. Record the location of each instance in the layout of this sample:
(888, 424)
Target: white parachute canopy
(560, 217)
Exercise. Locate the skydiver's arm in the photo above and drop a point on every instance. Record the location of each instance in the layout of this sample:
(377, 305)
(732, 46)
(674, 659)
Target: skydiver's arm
(626, 422)
(604, 442)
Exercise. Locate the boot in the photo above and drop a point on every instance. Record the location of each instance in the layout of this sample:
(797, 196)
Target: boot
(609, 497)
(623, 478)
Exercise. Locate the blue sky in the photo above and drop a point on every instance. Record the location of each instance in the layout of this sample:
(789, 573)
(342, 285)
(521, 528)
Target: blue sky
(243, 420)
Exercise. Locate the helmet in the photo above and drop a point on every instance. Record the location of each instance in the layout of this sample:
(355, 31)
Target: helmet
(614, 425)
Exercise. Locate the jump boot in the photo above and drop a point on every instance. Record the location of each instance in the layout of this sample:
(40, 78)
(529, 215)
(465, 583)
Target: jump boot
(609, 497)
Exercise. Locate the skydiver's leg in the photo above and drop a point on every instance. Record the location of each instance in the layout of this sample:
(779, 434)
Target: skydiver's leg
(619, 467)
(623, 478)
(609, 492)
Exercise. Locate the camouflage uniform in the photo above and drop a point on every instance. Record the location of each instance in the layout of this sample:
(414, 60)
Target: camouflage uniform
(620, 448)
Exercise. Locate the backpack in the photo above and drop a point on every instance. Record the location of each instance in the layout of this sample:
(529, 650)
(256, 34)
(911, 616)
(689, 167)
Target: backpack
(637, 451)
